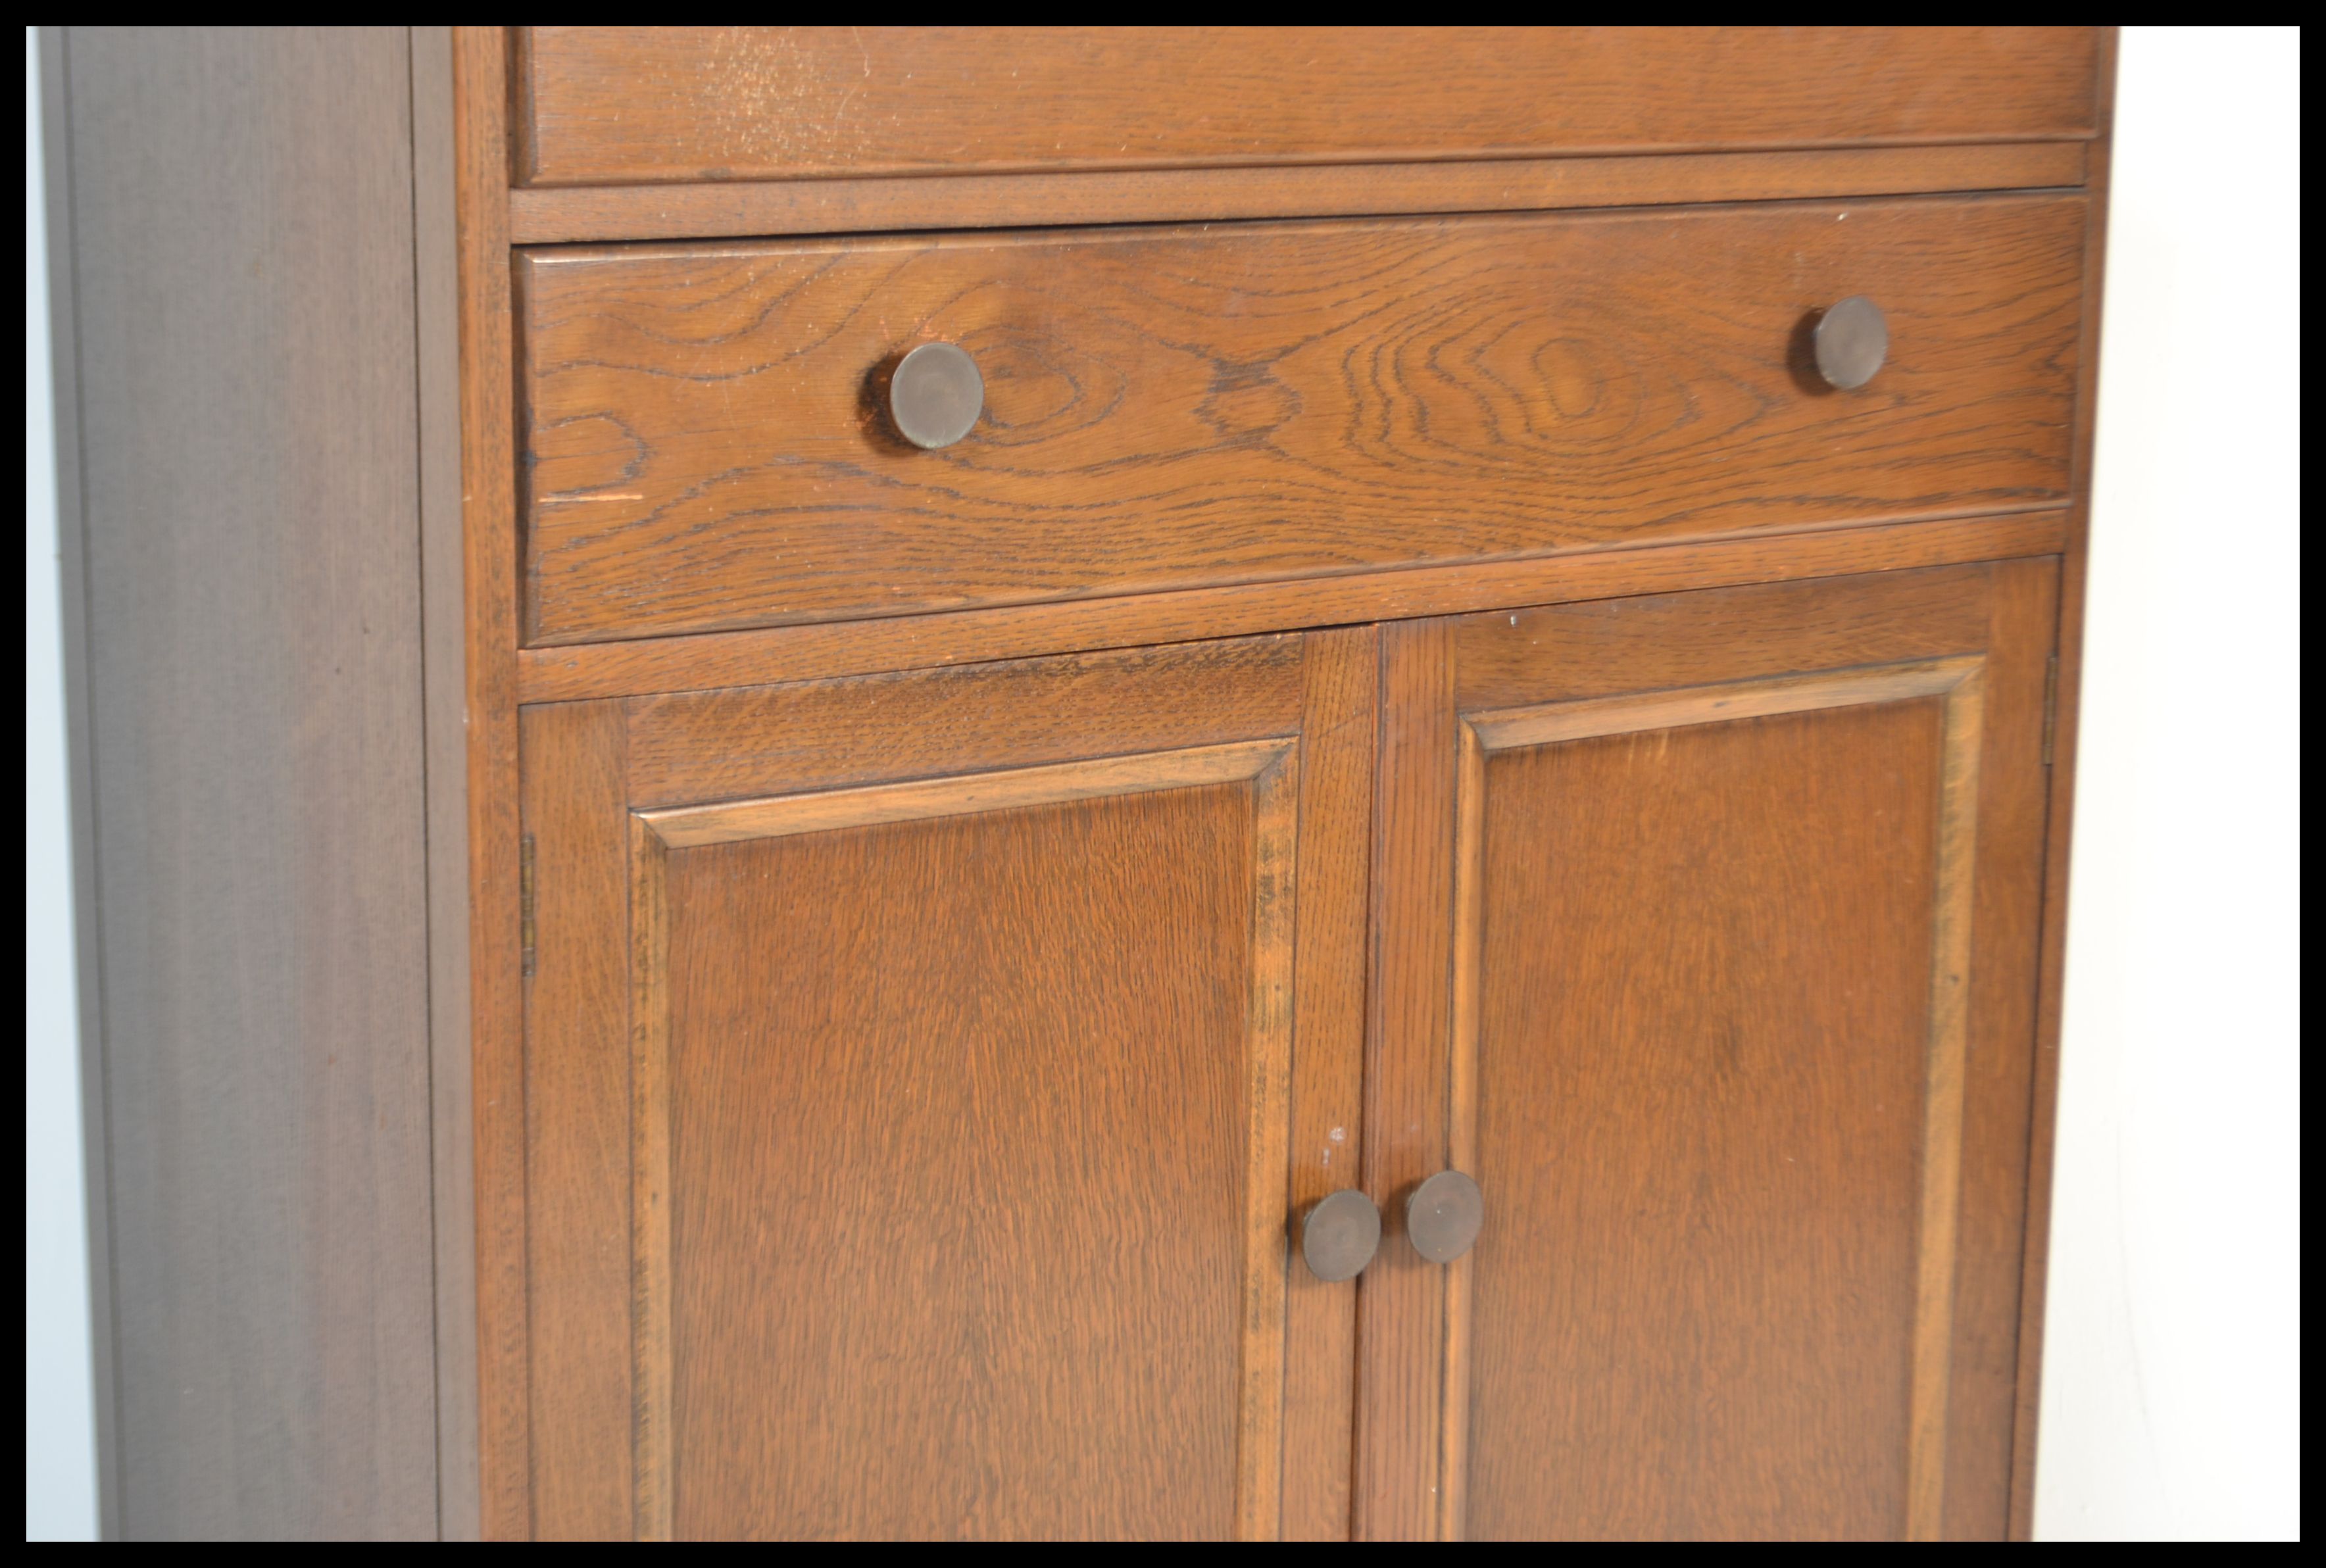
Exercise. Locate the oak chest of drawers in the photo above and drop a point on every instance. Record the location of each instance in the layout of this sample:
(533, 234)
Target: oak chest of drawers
(1088, 783)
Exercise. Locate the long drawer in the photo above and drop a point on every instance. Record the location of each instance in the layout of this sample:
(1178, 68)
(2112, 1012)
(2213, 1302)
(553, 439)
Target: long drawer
(706, 445)
(602, 105)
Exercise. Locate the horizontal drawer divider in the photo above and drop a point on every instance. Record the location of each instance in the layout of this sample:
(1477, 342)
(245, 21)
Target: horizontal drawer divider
(705, 662)
(736, 209)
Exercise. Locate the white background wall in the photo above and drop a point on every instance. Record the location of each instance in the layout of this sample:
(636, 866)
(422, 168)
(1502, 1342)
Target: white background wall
(2172, 1384)
(2172, 1368)
(59, 1433)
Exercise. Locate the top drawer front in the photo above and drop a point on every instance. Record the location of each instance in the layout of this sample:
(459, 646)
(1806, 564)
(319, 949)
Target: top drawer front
(705, 445)
(607, 105)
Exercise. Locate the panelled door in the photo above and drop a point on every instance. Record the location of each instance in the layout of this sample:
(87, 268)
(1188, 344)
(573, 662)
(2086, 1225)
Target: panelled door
(1707, 937)
(923, 1073)
(926, 1074)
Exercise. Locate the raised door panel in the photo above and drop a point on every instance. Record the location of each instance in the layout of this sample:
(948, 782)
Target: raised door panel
(938, 1181)
(1737, 909)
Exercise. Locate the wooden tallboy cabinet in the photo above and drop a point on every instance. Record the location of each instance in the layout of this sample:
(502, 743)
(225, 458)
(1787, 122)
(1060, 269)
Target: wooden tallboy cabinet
(784, 736)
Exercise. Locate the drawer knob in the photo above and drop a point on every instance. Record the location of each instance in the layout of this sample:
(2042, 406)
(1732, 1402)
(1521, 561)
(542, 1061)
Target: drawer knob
(1340, 1235)
(1851, 341)
(1443, 1216)
(935, 395)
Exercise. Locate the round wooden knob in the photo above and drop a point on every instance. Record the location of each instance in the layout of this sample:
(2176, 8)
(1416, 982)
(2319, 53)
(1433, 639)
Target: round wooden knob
(935, 395)
(1340, 1235)
(1443, 1216)
(1851, 341)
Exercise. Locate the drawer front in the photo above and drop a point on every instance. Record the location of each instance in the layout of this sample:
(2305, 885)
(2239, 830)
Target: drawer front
(600, 105)
(707, 445)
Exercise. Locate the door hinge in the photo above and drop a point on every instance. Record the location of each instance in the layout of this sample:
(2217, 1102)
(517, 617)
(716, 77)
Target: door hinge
(2050, 704)
(524, 900)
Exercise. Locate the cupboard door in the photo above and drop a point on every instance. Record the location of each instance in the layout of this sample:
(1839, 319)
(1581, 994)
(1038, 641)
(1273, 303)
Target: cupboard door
(1709, 937)
(921, 1072)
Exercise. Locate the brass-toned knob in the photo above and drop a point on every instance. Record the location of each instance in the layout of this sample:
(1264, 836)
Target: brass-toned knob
(935, 395)
(1340, 1235)
(1443, 1216)
(1852, 340)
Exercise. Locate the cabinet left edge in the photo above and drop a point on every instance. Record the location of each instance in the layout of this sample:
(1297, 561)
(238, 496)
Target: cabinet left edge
(435, 264)
(64, 359)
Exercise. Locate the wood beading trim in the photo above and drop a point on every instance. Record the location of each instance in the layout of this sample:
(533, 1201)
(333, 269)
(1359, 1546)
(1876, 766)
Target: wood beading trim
(1268, 1105)
(654, 1376)
(728, 209)
(1942, 1108)
(1472, 744)
(731, 821)
(1502, 729)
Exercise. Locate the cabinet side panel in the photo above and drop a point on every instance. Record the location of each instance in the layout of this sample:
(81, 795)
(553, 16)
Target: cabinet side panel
(435, 274)
(243, 267)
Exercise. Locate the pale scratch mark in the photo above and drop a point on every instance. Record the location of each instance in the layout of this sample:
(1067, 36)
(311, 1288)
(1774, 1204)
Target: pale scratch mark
(864, 57)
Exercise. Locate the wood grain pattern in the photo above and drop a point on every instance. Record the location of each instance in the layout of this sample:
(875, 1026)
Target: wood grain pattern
(1167, 409)
(235, 246)
(1400, 1298)
(1957, 682)
(919, 800)
(1698, 1108)
(1267, 1106)
(712, 746)
(488, 577)
(946, 912)
(608, 105)
(571, 215)
(1670, 709)
(1265, 1057)
(1565, 420)
(2005, 1208)
(1598, 805)
(1340, 678)
(1938, 1232)
(1467, 912)
(1617, 646)
(654, 1417)
(2001, 1064)
(782, 654)
(2061, 807)
(973, 636)
(577, 1099)
(869, 1179)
